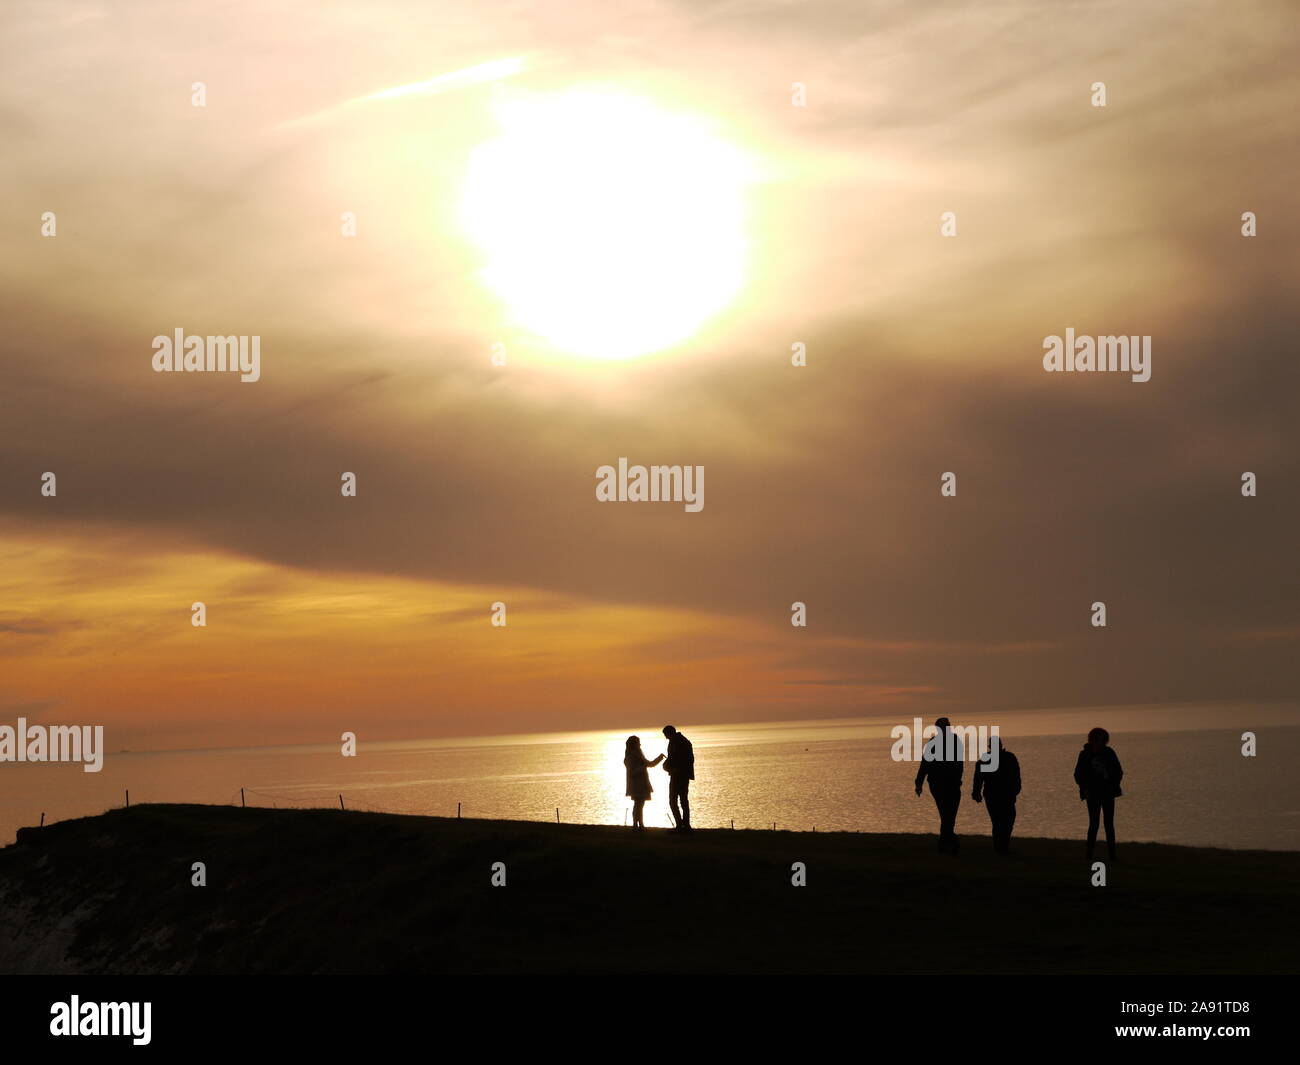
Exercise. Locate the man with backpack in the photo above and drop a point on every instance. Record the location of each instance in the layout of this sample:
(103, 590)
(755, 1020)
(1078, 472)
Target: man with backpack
(680, 765)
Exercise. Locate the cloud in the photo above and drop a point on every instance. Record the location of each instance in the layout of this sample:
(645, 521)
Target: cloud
(823, 481)
(481, 73)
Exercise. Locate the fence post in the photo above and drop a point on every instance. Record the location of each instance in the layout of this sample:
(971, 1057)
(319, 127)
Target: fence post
(128, 798)
(458, 811)
(242, 804)
(42, 819)
(340, 802)
(557, 815)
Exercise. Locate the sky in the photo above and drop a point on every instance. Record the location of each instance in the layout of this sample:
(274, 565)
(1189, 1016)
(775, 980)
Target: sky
(558, 182)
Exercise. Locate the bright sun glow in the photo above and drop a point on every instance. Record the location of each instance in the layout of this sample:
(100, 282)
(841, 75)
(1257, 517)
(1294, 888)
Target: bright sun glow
(610, 227)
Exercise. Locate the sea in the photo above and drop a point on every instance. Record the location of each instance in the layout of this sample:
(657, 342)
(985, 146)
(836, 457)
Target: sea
(1186, 779)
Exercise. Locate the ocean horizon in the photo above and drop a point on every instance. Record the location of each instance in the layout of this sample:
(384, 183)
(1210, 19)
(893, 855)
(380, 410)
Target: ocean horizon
(835, 774)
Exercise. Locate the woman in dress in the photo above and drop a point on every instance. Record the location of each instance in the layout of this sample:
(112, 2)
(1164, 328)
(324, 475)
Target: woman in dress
(638, 779)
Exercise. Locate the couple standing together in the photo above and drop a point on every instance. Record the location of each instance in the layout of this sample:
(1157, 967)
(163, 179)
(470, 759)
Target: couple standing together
(680, 764)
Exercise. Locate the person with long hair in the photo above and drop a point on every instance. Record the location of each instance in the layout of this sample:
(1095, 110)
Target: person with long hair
(638, 777)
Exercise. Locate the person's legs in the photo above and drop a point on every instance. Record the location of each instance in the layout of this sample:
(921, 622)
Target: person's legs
(939, 804)
(638, 805)
(1108, 812)
(674, 801)
(1002, 814)
(947, 800)
(1094, 819)
(954, 804)
(1009, 824)
(684, 793)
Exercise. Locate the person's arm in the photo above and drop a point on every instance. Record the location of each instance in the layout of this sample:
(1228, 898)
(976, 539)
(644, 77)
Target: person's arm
(977, 789)
(1081, 775)
(1119, 771)
(921, 771)
(658, 758)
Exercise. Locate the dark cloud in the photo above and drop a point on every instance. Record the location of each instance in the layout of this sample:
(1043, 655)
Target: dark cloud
(822, 484)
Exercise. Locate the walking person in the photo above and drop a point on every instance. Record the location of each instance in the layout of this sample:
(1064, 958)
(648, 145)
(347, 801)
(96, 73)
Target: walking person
(997, 783)
(941, 763)
(1098, 773)
(638, 778)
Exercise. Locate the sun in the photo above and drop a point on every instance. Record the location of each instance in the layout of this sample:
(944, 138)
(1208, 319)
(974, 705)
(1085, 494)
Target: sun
(609, 226)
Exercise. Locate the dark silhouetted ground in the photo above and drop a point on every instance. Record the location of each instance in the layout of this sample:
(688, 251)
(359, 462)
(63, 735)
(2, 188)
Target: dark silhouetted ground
(293, 891)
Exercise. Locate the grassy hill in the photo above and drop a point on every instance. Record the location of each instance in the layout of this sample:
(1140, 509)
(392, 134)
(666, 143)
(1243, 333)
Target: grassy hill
(292, 891)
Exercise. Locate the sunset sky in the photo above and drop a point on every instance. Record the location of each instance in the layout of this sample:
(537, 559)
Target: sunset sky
(634, 181)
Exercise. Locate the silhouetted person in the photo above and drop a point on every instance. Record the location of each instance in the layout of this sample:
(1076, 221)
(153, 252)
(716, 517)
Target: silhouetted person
(638, 779)
(941, 762)
(997, 789)
(1098, 773)
(680, 765)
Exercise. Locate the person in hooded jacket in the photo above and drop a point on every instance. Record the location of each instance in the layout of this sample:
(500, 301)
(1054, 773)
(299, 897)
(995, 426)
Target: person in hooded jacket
(1098, 774)
(997, 783)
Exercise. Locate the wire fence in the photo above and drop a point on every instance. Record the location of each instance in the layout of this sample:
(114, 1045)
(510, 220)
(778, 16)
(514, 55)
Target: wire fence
(322, 800)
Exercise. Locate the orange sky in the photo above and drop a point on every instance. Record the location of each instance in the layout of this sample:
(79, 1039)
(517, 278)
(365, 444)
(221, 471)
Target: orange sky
(476, 482)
